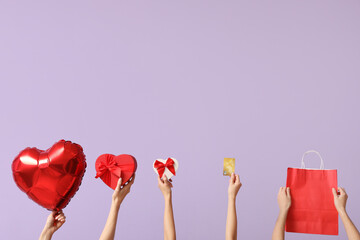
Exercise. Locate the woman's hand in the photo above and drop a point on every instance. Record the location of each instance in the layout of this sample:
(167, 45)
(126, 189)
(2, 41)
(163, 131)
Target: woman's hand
(165, 186)
(234, 186)
(284, 199)
(54, 221)
(121, 192)
(340, 200)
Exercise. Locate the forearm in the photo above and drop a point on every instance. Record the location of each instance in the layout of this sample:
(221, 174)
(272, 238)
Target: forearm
(279, 229)
(231, 220)
(351, 231)
(109, 230)
(169, 224)
(45, 235)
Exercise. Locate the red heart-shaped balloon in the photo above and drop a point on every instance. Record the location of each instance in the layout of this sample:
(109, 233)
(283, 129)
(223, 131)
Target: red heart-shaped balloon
(52, 177)
(110, 168)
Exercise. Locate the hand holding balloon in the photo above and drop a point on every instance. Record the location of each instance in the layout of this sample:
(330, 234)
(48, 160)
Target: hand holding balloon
(54, 221)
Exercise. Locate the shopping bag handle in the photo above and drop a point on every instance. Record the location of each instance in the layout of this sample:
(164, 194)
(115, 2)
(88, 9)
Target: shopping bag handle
(317, 153)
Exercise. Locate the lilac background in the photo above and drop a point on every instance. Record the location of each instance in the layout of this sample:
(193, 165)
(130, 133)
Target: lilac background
(197, 80)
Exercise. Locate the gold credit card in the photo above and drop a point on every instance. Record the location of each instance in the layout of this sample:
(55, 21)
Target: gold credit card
(229, 166)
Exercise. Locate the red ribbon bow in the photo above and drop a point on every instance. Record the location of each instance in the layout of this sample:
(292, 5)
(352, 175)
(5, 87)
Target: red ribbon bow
(160, 167)
(108, 170)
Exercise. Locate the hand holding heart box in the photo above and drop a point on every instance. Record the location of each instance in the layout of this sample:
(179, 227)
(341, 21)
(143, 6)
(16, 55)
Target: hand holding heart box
(166, 167)
(110, 168)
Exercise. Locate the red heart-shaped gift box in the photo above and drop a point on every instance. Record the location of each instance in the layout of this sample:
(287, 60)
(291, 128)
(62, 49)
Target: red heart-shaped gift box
(110, 168)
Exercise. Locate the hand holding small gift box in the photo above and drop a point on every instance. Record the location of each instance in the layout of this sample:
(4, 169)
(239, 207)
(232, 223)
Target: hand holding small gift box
(166, 167)
(165, 170)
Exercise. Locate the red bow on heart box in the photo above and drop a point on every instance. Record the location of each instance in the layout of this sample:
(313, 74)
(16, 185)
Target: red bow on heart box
(167, 168)
(110, 168)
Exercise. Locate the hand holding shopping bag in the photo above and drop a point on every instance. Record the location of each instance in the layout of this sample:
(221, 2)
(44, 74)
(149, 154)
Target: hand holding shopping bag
(312, 209)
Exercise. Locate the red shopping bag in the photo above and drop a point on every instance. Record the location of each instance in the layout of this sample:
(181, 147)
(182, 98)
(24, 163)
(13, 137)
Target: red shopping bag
(312, 203)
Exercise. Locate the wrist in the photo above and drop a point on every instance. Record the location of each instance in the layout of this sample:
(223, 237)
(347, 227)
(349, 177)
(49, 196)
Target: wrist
(283, 212)
(116, 203)
(341, 211)
(231, 197)
(46, 234)
(167, 196)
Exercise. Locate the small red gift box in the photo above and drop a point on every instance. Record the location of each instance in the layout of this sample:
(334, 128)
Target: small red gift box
(110, 168)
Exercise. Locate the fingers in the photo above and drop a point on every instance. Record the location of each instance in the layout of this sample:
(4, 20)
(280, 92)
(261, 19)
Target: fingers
(131, 182)
(237, 178)
(53, 213)
(128, 186)
(59, 224)
(60, 221)
(60, 216)
(166, 181)
(164, 178)
(160, 181)
(57, 214)
(284, 191)
(232, 178)
(133, 179)
(288, 192)
(342, 191)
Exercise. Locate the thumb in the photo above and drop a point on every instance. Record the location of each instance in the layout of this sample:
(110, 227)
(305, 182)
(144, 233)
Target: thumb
(118, 186)
(232, 178)
(288, 192)
(160, 181)
(334, 192)
(54, 213)
(164, 177)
